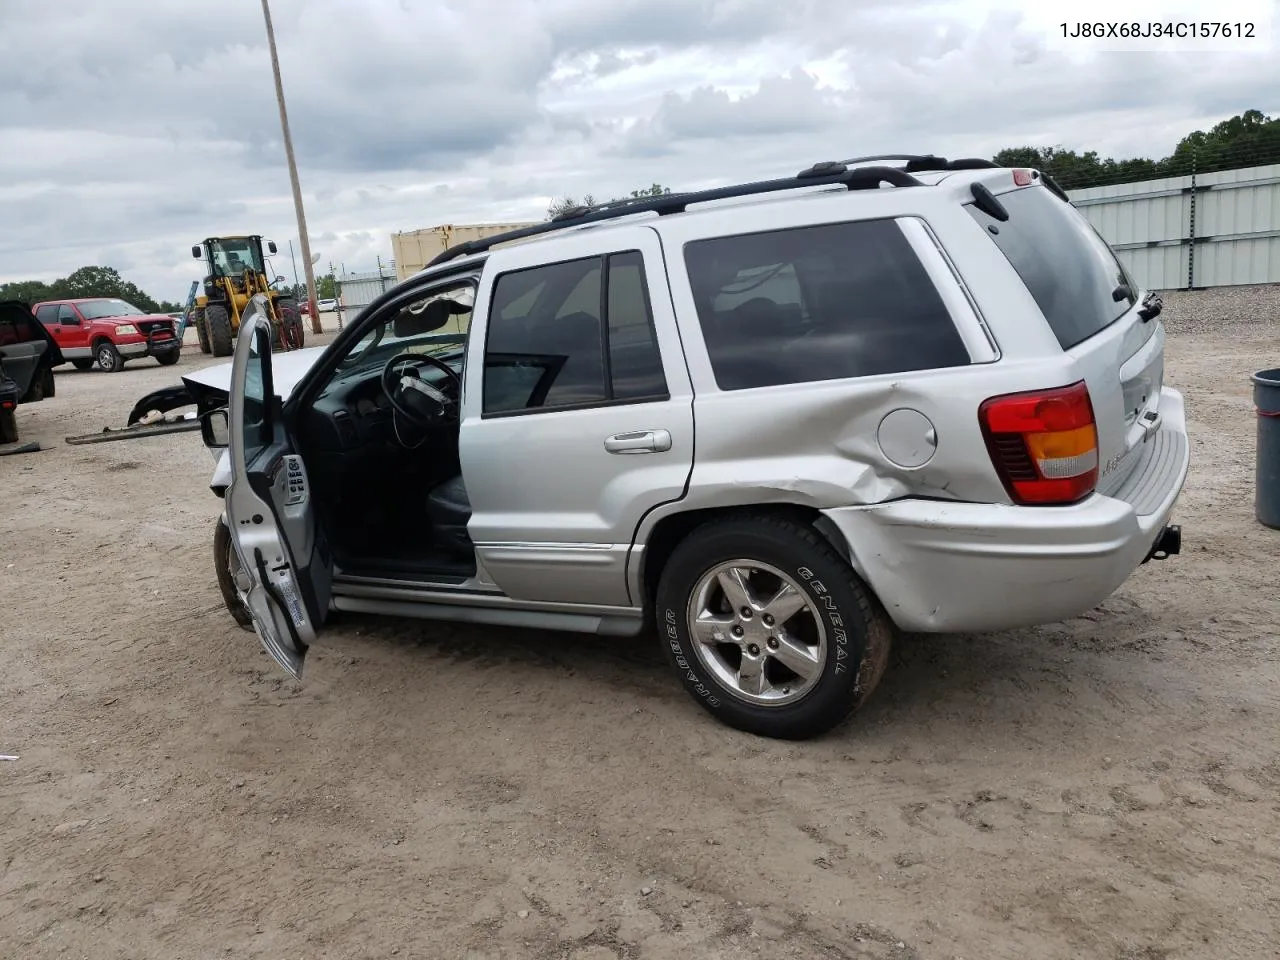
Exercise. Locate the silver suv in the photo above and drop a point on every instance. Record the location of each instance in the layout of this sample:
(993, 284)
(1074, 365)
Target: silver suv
(776, 422)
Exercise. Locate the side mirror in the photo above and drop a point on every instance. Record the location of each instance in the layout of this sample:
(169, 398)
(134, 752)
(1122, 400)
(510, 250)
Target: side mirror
(195, 253)
(215, 429)
(271, 246)
(69, 321)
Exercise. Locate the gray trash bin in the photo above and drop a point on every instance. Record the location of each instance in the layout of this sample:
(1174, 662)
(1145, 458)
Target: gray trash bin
(1266, 397)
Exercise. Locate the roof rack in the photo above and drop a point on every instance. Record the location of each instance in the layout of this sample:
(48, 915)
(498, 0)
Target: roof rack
(917, 163)
(828, 173)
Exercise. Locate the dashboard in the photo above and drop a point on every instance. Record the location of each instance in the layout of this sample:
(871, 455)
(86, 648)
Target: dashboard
(353, 412)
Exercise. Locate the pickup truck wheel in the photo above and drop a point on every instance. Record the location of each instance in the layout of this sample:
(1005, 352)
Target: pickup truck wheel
(769, 627)
(168, 359)
(82, 364)
(217, 324)
(107, 357)
(8, 426)
(225, 562)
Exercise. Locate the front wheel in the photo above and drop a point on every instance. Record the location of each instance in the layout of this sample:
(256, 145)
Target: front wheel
(168, 359)
(769, 627)
(107, 357)
(83, 364)
(226, 562)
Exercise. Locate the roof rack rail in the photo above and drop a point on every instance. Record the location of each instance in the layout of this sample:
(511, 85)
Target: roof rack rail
(917, 163)
(828, 173)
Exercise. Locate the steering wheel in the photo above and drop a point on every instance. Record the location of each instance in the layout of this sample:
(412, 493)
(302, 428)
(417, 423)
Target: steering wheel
(421, 403)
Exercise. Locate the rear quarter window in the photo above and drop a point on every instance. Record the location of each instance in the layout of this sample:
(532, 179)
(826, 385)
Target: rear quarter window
(824, 302)
(1064, 263)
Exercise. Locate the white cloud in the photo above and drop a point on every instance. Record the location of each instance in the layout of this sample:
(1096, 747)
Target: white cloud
(147, 126)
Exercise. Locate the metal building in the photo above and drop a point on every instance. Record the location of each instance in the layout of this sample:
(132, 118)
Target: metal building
(358, 290)
(1215, 229)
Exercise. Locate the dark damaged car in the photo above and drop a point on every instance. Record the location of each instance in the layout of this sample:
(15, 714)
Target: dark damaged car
(28, 355)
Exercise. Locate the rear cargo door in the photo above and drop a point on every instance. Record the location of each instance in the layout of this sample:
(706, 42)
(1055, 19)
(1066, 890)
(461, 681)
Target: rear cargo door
(1093, 307)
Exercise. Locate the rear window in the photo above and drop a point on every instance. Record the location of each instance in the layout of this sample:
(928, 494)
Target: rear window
(814, 303)
(1068, 268)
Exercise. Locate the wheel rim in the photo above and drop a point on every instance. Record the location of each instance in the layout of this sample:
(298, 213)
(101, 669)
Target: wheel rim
(104, 357)
(758, 632)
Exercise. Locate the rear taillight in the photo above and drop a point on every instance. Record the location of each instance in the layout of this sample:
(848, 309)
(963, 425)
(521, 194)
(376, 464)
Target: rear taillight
(1044, 444)
(6, 404)
(1022, 178)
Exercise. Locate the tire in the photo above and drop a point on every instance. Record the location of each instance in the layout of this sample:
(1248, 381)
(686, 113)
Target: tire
(169, 358)
(202, 332)
(106, 357)
(837, 633)
(224, 562)
(217, 324)
(290, 323)
(8, 426)
(83, 364)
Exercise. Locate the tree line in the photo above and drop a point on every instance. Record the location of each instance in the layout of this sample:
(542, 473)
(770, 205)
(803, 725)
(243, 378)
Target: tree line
(1249, 140)
(86, 282)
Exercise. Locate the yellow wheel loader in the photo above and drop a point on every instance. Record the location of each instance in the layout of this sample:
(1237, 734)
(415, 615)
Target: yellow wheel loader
(235, 271)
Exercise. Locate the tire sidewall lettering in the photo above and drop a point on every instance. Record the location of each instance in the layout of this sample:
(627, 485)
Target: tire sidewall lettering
(827, 604)
(672, 631)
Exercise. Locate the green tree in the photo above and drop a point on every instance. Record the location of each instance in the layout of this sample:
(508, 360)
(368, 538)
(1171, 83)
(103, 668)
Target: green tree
(326, 287)
(565, 204)
(1247, 140)
(93, 281)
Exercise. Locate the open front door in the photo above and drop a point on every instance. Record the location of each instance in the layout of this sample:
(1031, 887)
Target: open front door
(286, 570)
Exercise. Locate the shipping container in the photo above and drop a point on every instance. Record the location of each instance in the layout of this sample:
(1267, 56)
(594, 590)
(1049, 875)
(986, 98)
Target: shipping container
(414, 249)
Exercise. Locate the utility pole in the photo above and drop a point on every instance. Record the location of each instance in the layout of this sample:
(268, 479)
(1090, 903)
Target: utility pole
(295, 268)
(293, 175)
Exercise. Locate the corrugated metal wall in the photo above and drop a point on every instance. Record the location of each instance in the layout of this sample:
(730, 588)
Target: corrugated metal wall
(358, 290)
(1234, 217)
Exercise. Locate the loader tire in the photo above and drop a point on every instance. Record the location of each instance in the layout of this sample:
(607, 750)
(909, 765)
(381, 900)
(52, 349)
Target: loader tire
(291, 332)
(202, 332)
(217, 324)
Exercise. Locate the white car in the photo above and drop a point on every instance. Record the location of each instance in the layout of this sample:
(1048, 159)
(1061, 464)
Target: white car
(325, 306)
(863, 399)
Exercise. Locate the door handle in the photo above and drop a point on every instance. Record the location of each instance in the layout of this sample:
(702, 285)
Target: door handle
(639, 441)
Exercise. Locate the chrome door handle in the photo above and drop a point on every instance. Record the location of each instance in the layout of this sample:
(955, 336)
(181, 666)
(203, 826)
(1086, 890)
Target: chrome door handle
(639, 441)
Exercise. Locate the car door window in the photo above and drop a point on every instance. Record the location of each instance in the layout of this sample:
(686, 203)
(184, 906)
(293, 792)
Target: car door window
(66, 314)
(572, 334)
(257, 394)
(635, 365)
(48, 313)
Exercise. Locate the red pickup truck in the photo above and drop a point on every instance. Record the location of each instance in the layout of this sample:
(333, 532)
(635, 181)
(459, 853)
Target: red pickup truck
(105, 332)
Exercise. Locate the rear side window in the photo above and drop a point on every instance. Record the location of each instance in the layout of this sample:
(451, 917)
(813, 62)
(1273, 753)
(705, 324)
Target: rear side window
(47, 313)
(814, 303)
(1076, 280)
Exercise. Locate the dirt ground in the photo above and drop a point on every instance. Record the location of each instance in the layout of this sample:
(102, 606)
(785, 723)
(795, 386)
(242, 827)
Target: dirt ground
(1105, 787)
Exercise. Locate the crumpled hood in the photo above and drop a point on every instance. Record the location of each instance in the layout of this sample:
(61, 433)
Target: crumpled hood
(286, 370)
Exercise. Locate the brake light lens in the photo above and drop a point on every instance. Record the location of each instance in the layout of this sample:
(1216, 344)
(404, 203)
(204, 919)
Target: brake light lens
(1044, 444)
(6, 405)
(1022, 178)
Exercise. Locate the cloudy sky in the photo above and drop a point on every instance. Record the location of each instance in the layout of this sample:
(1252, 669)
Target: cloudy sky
(130, 129)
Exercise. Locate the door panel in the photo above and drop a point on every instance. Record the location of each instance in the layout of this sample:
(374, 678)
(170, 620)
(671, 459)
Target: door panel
(557, 492)
(285, 572)
(73, 332)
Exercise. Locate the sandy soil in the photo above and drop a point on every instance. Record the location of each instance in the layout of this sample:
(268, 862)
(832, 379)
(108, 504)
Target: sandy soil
(1105, 787)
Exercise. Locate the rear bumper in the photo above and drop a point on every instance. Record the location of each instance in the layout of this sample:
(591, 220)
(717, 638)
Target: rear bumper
(958, 567)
